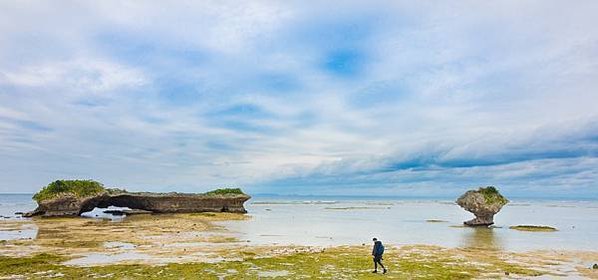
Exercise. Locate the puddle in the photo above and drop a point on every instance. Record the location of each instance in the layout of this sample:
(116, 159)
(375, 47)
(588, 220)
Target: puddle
(23, 232)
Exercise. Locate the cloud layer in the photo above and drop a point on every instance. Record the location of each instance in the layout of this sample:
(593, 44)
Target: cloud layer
(388, 97)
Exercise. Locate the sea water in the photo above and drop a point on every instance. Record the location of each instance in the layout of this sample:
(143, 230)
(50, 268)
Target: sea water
(13, 203)
(331, 221)
(354, 221)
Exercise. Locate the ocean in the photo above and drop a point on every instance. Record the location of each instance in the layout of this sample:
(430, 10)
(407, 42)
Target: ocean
(332, 221)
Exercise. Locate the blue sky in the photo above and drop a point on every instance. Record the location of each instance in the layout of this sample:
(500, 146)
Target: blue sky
(366, 97)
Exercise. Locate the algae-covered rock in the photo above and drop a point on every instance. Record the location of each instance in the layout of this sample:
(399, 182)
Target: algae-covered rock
(533, 228)
(73, 197)
(484, 203)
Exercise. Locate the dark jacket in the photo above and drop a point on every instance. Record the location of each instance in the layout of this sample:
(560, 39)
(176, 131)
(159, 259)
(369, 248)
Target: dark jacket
(377, 251)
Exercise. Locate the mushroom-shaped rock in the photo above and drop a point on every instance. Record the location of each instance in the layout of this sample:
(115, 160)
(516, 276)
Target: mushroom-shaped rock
(484, 203)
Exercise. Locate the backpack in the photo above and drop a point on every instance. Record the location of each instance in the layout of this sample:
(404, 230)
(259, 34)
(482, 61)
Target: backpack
(381, 249)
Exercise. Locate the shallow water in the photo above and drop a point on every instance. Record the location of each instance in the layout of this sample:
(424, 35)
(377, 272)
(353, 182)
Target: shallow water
(101, 258)
(12, 203)
(400, 222)
(98, 213)
(344, 221)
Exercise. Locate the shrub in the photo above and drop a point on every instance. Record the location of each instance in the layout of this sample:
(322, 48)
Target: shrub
(491, 195)
(226, 191)
(80, 188)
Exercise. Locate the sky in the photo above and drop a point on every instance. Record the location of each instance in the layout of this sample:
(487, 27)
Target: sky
(389, 98)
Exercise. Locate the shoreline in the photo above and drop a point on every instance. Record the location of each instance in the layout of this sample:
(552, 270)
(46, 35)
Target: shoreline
(182, 245)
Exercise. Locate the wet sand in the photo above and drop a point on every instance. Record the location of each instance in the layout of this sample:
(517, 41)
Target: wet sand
(183, 243)
(145, 238)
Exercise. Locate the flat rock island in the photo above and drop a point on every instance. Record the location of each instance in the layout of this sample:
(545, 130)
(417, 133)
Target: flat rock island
(64, 198)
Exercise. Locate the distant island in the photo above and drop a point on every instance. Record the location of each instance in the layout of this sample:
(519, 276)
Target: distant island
(63, 198)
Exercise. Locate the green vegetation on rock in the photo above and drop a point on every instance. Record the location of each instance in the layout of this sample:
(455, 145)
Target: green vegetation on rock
(533, 228)
(87, 188)
(492, 196)
(80, 188)
(226, 191)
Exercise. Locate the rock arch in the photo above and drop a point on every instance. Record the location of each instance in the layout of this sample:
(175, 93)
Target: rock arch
(70, 205)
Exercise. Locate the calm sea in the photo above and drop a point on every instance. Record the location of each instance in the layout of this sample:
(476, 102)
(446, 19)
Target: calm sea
(329, 221)
(11, 203)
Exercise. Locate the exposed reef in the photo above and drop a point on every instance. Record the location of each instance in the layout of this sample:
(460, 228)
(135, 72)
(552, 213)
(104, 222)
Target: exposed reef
(65, 198)
(484, 203)
(533, 228)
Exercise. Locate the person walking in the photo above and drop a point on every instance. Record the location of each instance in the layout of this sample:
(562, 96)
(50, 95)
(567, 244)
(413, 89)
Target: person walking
(377, 252)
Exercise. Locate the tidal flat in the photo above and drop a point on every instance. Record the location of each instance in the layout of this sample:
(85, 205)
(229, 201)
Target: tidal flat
(291, 238)
(166, 237)
(196, 246)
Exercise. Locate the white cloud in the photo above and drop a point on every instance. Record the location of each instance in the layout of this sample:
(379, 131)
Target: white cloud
(88, 75)
(136, 93)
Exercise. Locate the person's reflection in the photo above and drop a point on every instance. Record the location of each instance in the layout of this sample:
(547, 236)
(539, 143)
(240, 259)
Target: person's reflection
(481, 238)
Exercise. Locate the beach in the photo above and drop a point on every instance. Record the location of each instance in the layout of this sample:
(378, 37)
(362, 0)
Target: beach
(302, 238)
(298, 140)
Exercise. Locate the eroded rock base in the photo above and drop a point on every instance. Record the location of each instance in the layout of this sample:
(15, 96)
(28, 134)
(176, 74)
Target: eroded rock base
(480, 222)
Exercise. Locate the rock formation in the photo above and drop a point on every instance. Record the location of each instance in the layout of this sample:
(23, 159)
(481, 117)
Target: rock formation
(484, 203)
(68, 203)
